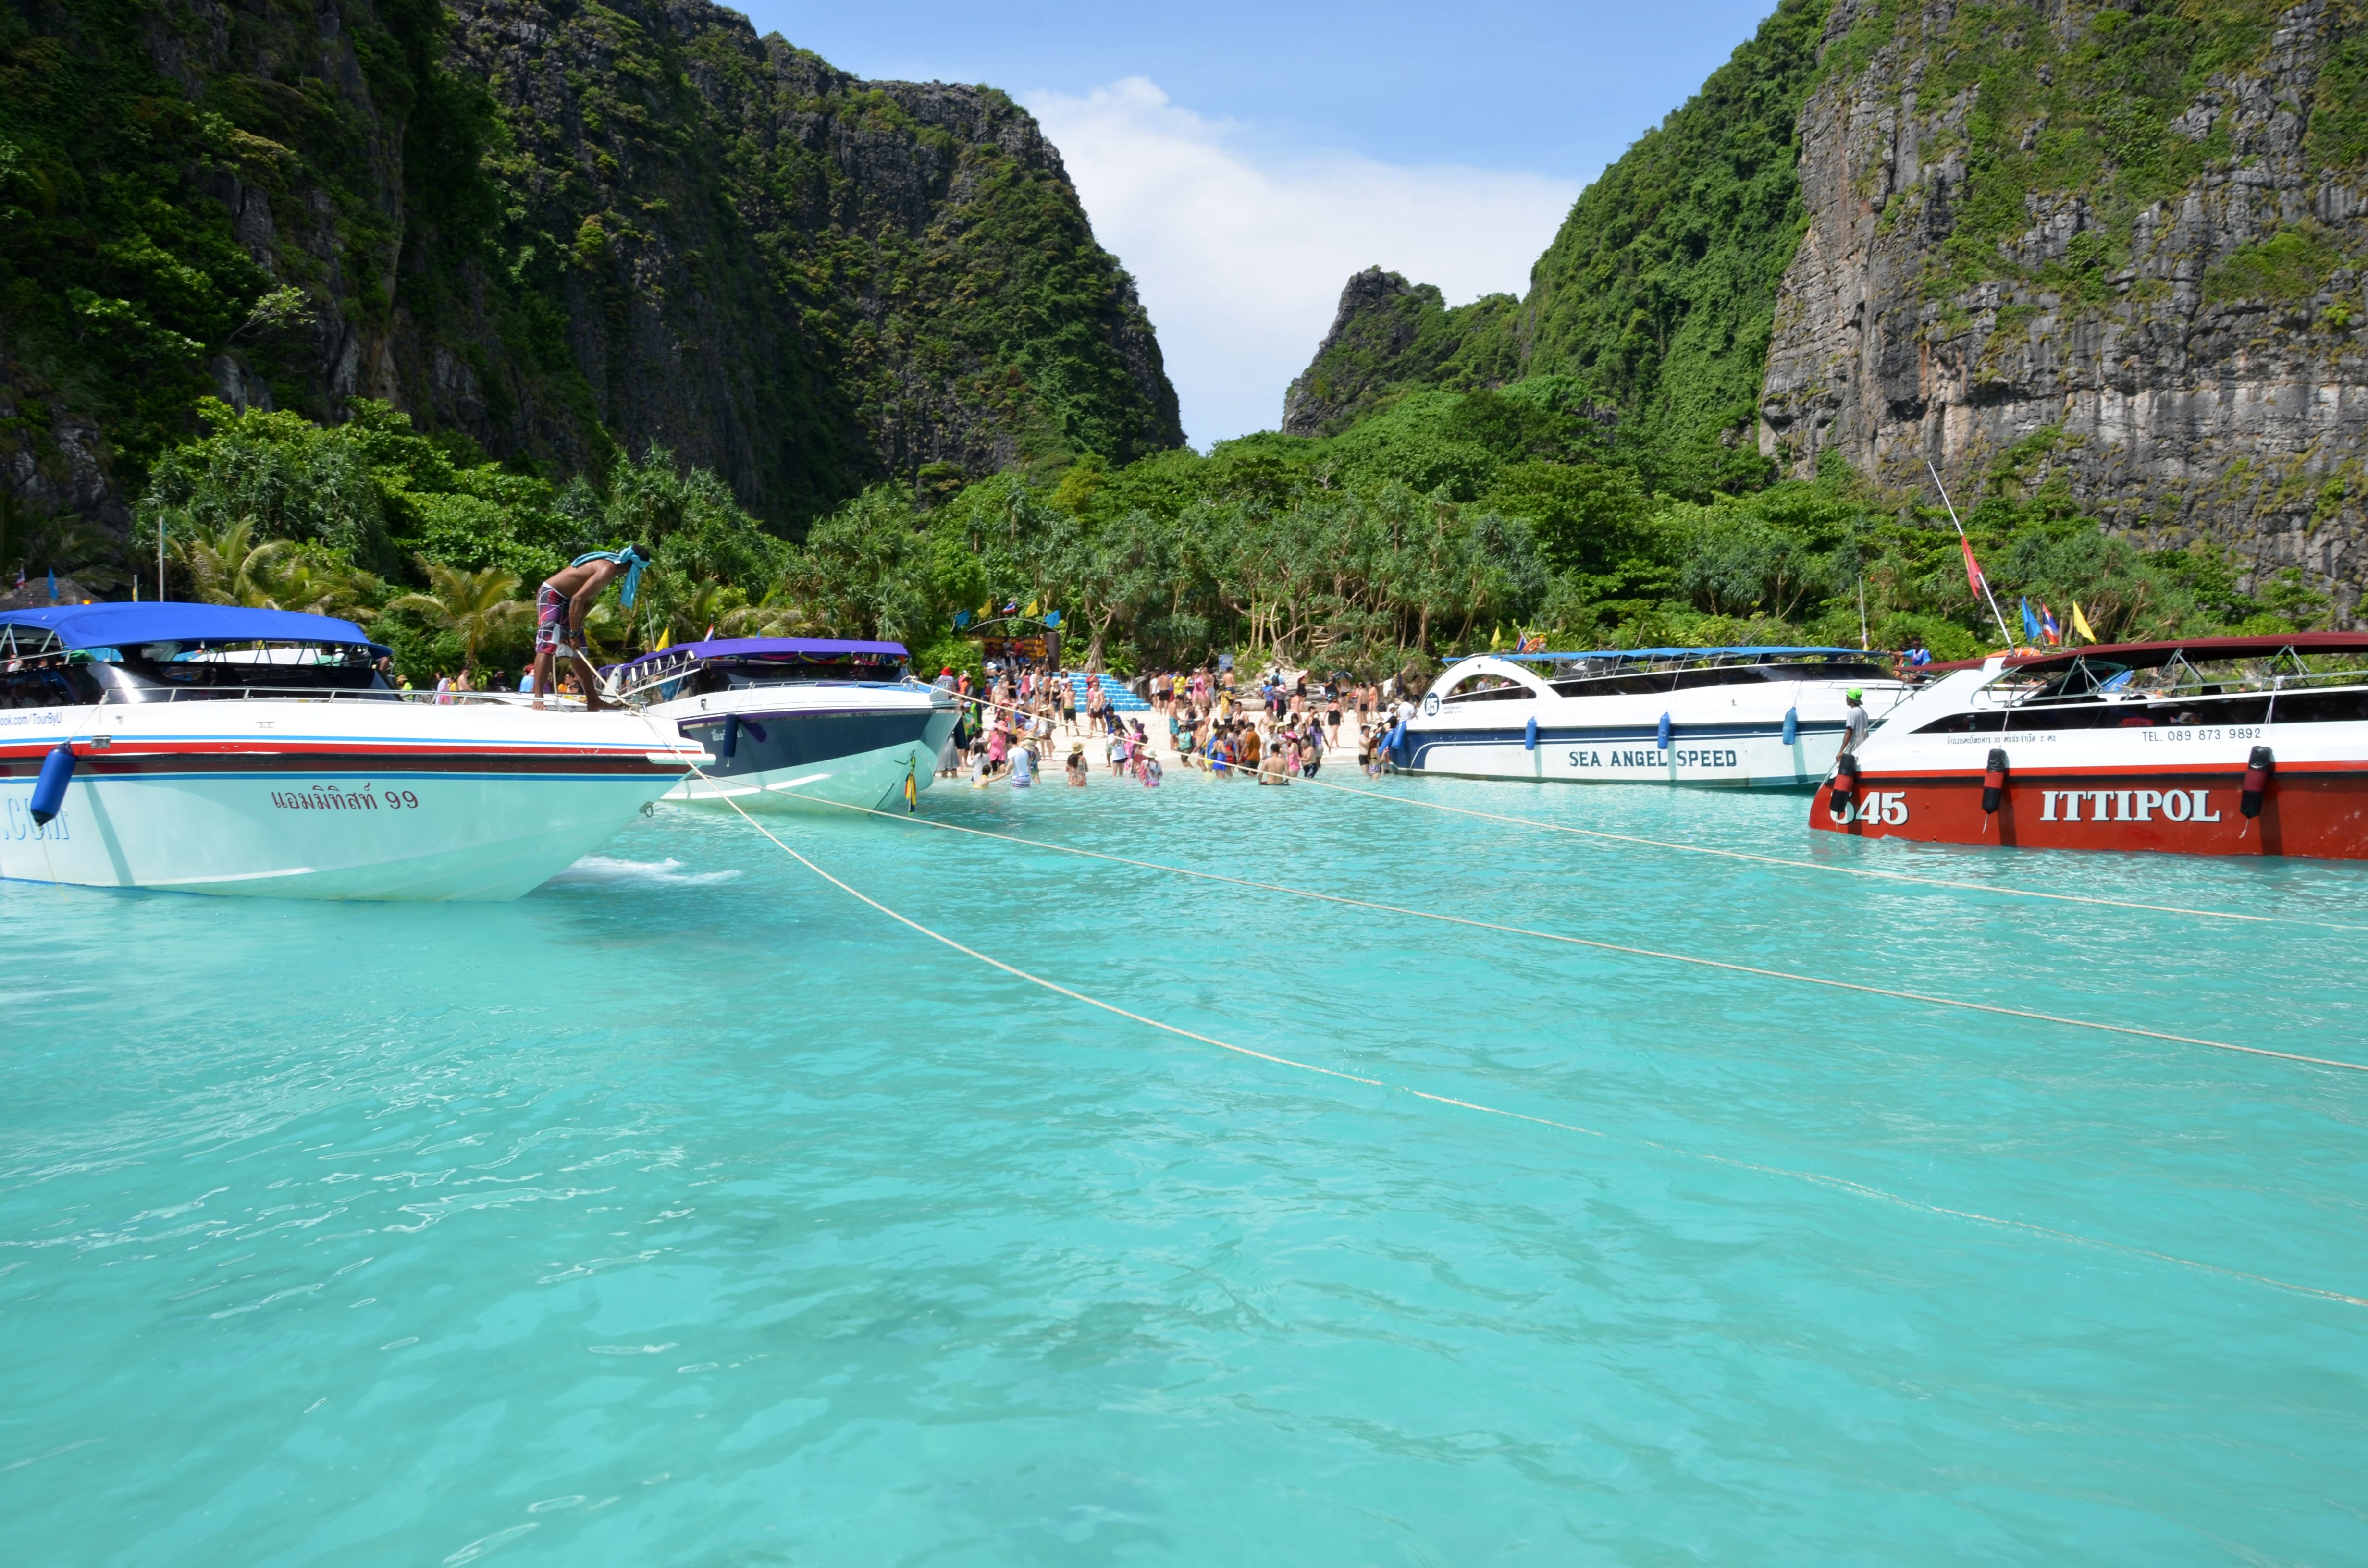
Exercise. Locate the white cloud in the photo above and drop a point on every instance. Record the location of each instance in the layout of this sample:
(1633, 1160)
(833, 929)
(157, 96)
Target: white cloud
(1240, 256)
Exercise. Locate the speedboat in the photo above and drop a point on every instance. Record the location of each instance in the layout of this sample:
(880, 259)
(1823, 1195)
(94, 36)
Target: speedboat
(1755, 718)
(2214, 745)
(794, 722)
(214, 748)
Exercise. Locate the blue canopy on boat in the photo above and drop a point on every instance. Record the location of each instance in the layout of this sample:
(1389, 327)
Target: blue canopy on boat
(1757, 653)
(769, 648)
(129, 625)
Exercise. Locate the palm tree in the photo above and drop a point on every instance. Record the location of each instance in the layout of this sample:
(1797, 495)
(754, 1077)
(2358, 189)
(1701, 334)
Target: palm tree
(766, 621)
(303, 581)
(231, 566)
(473, 606)
(709, 603)
(228, 566)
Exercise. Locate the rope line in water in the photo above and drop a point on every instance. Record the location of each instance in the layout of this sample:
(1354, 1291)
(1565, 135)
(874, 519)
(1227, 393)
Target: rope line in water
(1907, 877)
(1837, 870)
(1837, 1184)
(1924, 997)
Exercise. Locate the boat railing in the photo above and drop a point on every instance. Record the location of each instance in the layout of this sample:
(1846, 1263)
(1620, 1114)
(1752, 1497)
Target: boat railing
(143, 694)
(2184, 682)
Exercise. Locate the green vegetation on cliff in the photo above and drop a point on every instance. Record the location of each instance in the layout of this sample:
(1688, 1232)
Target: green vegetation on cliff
(1657, 295)
(561, 231)
(1661, 286)
(2103, 112)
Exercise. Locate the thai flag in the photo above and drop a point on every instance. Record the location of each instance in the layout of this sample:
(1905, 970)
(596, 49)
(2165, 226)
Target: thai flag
(2047, 625)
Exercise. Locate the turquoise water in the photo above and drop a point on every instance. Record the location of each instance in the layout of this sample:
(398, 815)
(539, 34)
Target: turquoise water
(687, 1212)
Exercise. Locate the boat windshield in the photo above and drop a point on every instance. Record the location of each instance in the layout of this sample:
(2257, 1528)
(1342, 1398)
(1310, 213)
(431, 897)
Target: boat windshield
(1608, 676)
(736, 675)
(232, 669)
(170, 671)
(2102, 692)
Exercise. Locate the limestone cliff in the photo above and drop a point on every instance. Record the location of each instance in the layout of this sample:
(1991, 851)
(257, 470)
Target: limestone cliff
(2093, 246)
(1653, 298)
(1389, 334)
(555, 227)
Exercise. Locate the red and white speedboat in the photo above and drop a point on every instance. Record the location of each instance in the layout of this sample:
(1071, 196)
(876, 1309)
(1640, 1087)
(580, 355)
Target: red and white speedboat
(2214, 745)
(212, 748)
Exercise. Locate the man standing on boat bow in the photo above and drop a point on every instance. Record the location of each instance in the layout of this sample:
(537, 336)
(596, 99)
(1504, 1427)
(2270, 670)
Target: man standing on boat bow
(1855, 722)
(562, 602)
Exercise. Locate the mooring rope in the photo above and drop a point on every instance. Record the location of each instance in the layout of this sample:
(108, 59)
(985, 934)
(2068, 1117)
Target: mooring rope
(1837, 1184)
(1837, 870)
(1907, 877)
(1920, 996)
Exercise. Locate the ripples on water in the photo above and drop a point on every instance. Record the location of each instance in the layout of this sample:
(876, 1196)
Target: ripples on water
(688, 1211)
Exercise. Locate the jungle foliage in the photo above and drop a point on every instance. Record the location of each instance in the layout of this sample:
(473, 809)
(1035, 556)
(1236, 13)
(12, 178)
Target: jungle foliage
(189, 195)
(1657, 295)
(1449, 521)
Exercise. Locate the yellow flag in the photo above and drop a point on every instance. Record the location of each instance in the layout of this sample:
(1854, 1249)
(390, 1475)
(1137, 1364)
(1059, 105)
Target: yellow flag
(2081, 624)
(1496, 639)
(1034, 608)
(665, 640)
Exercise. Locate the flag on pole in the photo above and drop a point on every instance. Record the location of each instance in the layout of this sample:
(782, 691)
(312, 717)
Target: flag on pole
(2047, 625)
(1973, 568)
(1496, 639)
(2081, 624)
(666, 641)
(1034, 608)
(2030, 623)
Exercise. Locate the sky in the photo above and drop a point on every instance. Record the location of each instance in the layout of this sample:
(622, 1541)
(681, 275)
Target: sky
(1242, 160)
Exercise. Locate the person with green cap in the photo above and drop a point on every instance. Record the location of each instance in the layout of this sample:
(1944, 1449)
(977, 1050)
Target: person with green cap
(1854, 722)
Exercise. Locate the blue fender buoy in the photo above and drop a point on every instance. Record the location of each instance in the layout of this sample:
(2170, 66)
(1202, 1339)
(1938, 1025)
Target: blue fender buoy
(1397, 744)
(1792, 725)
(50, 790)
(1665, 732)
(1530, 736)
(731, 741)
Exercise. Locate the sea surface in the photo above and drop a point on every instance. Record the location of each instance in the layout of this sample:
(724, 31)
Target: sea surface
(691, 1212)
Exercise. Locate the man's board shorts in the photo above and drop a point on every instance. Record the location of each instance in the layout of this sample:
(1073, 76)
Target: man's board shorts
(550, 618)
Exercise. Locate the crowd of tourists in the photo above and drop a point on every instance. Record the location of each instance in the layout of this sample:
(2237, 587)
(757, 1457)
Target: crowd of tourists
(1271, 729)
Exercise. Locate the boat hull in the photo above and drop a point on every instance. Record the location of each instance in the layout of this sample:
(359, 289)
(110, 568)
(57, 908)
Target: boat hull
(327, 800)
(1748, 722)
(1699, 756)
(810, 749)
(2318, 811)
(2174, 788)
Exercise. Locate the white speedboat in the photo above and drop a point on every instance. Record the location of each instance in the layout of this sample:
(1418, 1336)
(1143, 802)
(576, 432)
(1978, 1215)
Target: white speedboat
(794, 722)
(213, 748)
(2214, 745)
(1759, 717)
